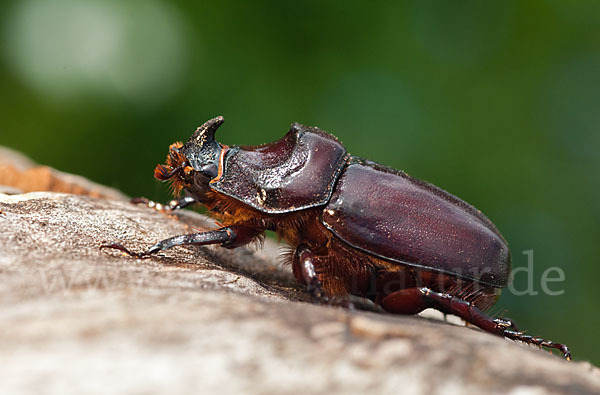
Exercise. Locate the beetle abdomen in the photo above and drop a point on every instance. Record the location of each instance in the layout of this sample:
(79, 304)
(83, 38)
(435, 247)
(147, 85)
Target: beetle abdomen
(401, 219)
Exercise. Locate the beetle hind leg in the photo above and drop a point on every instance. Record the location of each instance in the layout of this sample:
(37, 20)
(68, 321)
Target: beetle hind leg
(415, 300)
(500, 327)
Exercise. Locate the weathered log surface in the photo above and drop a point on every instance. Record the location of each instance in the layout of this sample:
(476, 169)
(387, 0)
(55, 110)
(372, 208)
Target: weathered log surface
(20, 174)
(77, 319)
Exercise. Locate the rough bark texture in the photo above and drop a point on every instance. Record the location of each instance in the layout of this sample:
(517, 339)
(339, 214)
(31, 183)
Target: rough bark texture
(77, 319)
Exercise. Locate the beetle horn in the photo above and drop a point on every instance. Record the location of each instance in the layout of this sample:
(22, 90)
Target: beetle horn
(202, 148)
(206, 132)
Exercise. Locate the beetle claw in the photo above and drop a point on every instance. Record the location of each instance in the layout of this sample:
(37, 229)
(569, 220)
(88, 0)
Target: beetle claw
(345, 303)
(321, 298)
(139, 255)
(317, 293)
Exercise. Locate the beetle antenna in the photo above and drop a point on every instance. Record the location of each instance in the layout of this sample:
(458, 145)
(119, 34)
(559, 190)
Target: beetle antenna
(163, 173)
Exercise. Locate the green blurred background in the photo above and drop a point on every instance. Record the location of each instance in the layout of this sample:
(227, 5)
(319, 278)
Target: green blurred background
(497, 102)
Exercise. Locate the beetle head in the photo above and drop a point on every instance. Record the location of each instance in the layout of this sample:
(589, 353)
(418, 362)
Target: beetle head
(192, 165)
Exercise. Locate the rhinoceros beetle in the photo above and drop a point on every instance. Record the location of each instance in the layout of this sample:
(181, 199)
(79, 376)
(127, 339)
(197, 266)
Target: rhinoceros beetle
(356, 227)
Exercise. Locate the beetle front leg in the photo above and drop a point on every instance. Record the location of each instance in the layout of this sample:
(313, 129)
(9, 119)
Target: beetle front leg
(172, 205)
(229, 237)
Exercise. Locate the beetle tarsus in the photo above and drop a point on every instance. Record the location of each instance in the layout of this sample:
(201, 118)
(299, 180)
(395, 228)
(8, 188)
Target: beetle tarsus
(316, 291)
(506, 324)
(175, 204)
(537, 341)
(320, 297)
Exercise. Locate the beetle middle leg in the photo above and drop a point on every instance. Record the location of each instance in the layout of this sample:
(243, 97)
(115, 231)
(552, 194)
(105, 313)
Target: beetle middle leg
(304, 267)
(305, 272)
(415, 300)
(229, 237)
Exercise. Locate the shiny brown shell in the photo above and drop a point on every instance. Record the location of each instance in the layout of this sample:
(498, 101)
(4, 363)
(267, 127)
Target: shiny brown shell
(391, 215)
(294, 173)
